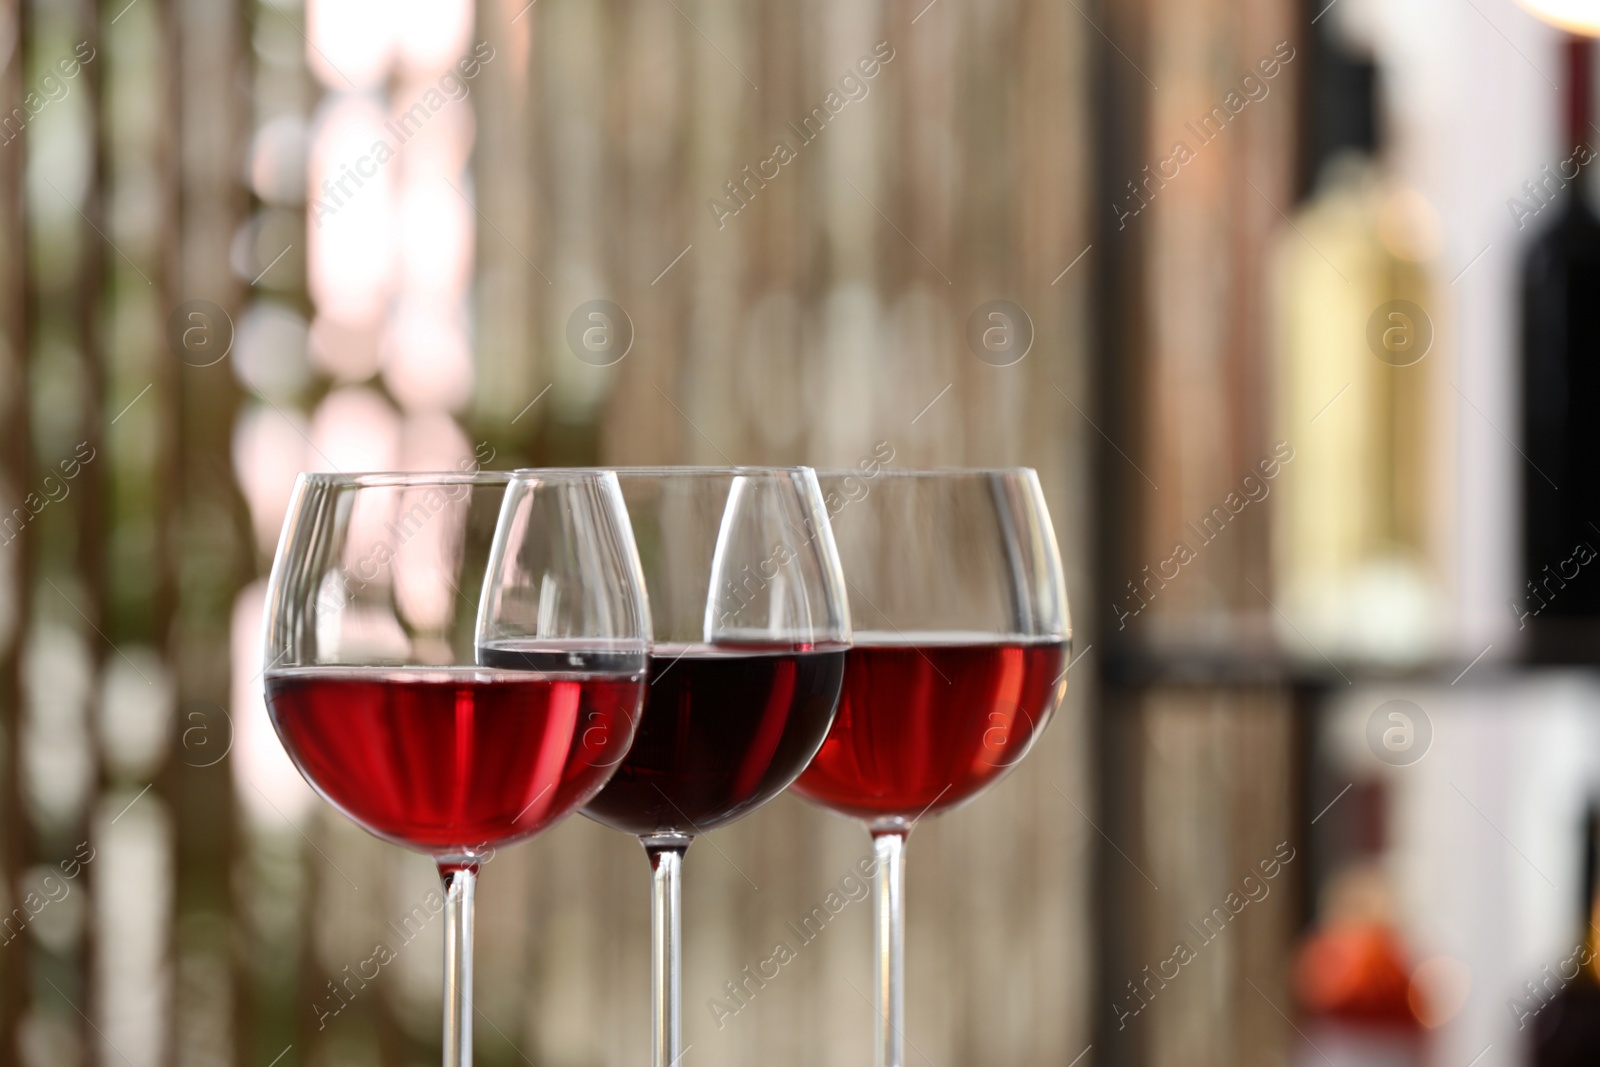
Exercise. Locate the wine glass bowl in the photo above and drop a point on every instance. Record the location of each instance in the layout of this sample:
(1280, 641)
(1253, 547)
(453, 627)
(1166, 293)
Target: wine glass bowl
(749, 642)
(958, 662)
(750, 627)
(961, 639)
(384, 589)
(375, 685)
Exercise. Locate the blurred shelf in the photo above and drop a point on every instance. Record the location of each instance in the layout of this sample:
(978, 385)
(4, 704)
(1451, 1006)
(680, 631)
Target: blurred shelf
(1145, 666)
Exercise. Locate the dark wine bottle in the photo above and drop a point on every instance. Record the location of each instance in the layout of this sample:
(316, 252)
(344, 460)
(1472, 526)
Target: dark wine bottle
(1558, 607)
(1566, 1027)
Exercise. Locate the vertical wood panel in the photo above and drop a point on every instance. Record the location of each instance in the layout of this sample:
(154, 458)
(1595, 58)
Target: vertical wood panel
(1198, 783)
(1217, 804)
(828, 315)
(15, 580)
(207, 535)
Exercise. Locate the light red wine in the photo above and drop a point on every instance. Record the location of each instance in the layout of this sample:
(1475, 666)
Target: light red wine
(723, 732)
(447, 760)
(924, 727)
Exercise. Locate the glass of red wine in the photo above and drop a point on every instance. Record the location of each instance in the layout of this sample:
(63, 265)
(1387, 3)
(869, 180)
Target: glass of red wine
(958, 662)
(750, 626)
(379, 601)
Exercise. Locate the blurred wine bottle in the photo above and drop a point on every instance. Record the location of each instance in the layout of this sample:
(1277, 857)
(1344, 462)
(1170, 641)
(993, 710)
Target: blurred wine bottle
(1566, 1026)
(1558, 607)
(1356, 320)
(1352, 976)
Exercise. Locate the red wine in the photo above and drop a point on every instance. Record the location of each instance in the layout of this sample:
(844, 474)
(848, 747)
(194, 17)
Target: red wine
(723, 732)
(924, 727)
(453, 759)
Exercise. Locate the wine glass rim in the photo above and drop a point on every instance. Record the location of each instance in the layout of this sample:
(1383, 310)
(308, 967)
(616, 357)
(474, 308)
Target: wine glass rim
(413, 479)
(924, 472)
(675, 470)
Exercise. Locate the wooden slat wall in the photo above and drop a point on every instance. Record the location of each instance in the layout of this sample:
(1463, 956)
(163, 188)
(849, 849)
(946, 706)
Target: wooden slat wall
(15, 598)
(827, 316)
(1205, 236)
(1217, 806)
(126, 579)
(61, 652)
(1198, 778)
(823, 317)
(208, 541)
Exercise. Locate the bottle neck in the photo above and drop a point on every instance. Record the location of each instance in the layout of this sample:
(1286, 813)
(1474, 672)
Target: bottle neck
(1581, 140)
(1579, 89)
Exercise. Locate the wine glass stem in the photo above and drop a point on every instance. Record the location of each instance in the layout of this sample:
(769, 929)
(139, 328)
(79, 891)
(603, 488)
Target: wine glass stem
(889, 930)
(666, 945)
(460, 887)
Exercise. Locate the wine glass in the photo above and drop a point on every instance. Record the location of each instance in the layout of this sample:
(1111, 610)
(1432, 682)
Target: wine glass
(957, 664)
(383, 588)
(749, 615)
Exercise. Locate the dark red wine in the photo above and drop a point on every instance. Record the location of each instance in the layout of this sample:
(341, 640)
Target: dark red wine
(451, 759)
(923, 727)
(723, 732)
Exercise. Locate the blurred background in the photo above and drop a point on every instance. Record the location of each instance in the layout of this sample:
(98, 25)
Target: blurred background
(1292, 303)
